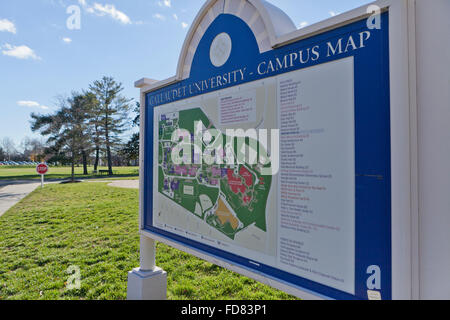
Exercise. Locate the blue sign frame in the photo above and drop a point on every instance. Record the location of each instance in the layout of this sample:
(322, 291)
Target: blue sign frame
(373, 244)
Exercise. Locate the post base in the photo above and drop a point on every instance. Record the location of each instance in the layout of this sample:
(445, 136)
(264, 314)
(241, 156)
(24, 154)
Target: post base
(147, 285)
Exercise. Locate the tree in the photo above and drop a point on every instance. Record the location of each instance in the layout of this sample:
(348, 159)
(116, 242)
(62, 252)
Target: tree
(82, 105)
(137, 119)
(113, 111)
(95, 117)
(131, 149)
(61, 134)
(8, 147)
(33, 149)
(2, 154)
(68, 128)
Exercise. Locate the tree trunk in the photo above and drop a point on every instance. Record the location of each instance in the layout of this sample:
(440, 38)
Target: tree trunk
(97, 157)
(85, 168)
(108, 146)
(108, 150)
(73, 166)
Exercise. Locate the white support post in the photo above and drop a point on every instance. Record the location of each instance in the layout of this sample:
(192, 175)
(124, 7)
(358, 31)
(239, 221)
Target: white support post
(147, 282)
(147, 254)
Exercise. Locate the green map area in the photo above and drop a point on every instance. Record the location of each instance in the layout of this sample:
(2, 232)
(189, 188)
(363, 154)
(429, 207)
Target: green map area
(228, 196)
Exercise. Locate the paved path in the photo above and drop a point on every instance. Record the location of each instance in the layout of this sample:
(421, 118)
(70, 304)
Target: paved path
(4, 183)
(12, 194)
(129, 184)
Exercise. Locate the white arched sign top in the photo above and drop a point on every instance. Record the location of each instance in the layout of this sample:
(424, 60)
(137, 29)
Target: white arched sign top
(266, 21)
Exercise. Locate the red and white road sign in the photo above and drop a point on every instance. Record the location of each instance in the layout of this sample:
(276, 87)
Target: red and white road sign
(42, 168)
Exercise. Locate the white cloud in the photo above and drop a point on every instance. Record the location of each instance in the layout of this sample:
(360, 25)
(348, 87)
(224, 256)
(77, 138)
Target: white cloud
(8, 26)
(26, 103)
(19, 52)
(106, 10)
(165, 3)
(175, 16)
(31, 104)
(303, 24)
(110, 9)
(333, 13)
(184, 25)
(67, 40)
(159, 16)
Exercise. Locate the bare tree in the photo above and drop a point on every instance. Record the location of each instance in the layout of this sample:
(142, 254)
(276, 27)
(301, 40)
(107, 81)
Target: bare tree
(33, 148)
(2, 154)
(8, 147)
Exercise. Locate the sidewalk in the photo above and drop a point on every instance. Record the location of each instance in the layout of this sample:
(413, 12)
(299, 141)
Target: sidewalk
(12, 194)
(127, 184)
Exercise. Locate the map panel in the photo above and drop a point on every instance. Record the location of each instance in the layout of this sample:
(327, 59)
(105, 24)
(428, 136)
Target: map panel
(227, 196)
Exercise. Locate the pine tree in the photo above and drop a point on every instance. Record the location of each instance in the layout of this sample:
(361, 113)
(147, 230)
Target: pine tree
(131, 148)
(95, 125)
(81, 107)
(112, 113)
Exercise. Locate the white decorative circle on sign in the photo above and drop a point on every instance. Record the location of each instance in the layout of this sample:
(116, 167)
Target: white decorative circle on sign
(220, 49)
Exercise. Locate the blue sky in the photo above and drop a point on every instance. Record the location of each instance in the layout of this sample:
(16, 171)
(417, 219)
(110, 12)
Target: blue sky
(41, 58)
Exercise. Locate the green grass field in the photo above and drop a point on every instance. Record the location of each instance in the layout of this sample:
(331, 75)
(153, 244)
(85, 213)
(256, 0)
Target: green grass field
(27, 173)
(95, 227)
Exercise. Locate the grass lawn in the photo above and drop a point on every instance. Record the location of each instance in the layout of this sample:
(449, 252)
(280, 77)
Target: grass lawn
(26, 173)
(95, 227)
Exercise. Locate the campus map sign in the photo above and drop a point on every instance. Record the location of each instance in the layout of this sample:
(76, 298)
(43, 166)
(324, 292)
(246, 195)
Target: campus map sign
(276, 160)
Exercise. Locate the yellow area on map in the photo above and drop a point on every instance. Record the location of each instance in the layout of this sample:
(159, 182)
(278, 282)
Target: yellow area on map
(224, 215)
